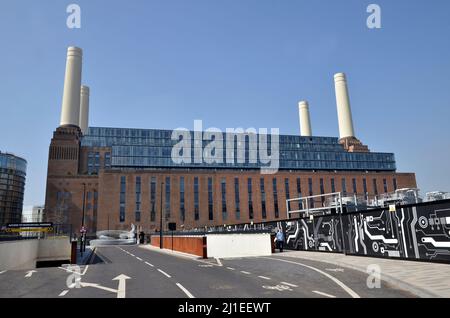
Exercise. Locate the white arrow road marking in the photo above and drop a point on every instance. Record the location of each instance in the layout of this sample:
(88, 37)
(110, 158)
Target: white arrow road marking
(121, 288)
(149, 264)
(289, 284)
(164, 273)
(30, 273)
(185, 291)
(323, 294)
(63, 293)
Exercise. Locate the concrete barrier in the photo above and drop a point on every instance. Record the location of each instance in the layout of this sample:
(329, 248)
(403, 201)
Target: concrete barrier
(55, 249)
(19, 255)
(238, 245)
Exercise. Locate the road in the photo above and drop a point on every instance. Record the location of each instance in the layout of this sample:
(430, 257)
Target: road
(133, 271)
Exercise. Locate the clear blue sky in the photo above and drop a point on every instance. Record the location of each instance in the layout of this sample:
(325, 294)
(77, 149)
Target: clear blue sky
(235, 63)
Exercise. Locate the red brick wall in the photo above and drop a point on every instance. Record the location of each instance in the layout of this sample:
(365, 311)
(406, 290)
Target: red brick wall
(187, 244)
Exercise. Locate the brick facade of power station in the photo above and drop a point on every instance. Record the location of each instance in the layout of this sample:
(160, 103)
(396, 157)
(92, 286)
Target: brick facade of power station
(104, 193)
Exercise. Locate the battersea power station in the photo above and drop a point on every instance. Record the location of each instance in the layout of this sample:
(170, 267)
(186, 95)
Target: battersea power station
(111, 178)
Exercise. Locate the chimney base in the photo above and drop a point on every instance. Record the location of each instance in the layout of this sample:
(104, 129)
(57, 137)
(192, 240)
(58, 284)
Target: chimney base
(352, 144)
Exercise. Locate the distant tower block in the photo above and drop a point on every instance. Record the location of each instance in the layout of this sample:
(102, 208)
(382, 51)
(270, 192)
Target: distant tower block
(84, 109)
(305, 121)
(343, 106)
(70, 110)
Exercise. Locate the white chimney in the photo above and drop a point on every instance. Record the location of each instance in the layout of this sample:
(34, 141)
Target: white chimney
(343, 106)
(305, 121)
(70, 110)
(84, 109)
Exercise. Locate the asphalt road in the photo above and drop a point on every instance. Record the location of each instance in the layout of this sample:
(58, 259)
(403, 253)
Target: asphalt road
(133, 271)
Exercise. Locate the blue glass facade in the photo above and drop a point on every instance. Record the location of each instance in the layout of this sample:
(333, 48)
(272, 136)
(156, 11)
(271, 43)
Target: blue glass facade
(12, 187)
(152, 148)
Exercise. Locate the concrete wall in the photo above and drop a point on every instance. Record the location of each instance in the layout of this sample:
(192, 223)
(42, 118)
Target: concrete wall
(54, 249)
(19, 255)
(238, 245)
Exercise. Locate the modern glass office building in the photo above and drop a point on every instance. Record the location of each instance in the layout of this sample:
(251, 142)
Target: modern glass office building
(12, 186)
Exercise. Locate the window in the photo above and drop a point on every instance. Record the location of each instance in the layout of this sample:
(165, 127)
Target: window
(322, 187)
(344, 187)
(310, 186)
(385, 186)
(263, 199)
(167, 198)
(196, 202)
(237, 198)
(333, 186)
(138, 200)
(365, 186)
(107, 163)
(299, 193)
(153, 199)
(375, 187)
(210, 200)
(275, 198)
(224, 198)
(394, 181)
(286, 190)
(182, 207)
(355, 188)
(250, 198)
(123, 186)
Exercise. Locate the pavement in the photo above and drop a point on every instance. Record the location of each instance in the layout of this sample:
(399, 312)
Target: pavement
(423, 279)
(133, 271)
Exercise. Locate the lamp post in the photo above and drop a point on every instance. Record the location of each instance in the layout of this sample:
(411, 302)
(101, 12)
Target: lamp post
(161, 218)
(83, 234)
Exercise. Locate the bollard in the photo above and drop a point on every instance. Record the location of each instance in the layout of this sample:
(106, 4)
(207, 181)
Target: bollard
(73, 254)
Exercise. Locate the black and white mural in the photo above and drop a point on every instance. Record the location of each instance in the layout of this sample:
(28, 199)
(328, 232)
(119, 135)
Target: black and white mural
(420, 231)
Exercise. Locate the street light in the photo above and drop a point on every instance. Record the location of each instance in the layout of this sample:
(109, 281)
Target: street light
(83, 234)
(161, 218)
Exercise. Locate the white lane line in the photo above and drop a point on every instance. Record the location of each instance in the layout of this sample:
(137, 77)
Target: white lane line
(2, 272)
(347, 289)
(244, 272)
(323, 294)
(218, 261)
(138, 258)
(264, 277)
(185, 291)
(132, 255)
(289, 284)
(164, 273)
(63, 293)
(149, 264)
(231, 268)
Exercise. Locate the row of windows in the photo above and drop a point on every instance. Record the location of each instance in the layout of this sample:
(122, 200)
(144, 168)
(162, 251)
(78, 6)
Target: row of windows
(10, 164)
(237, 203)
